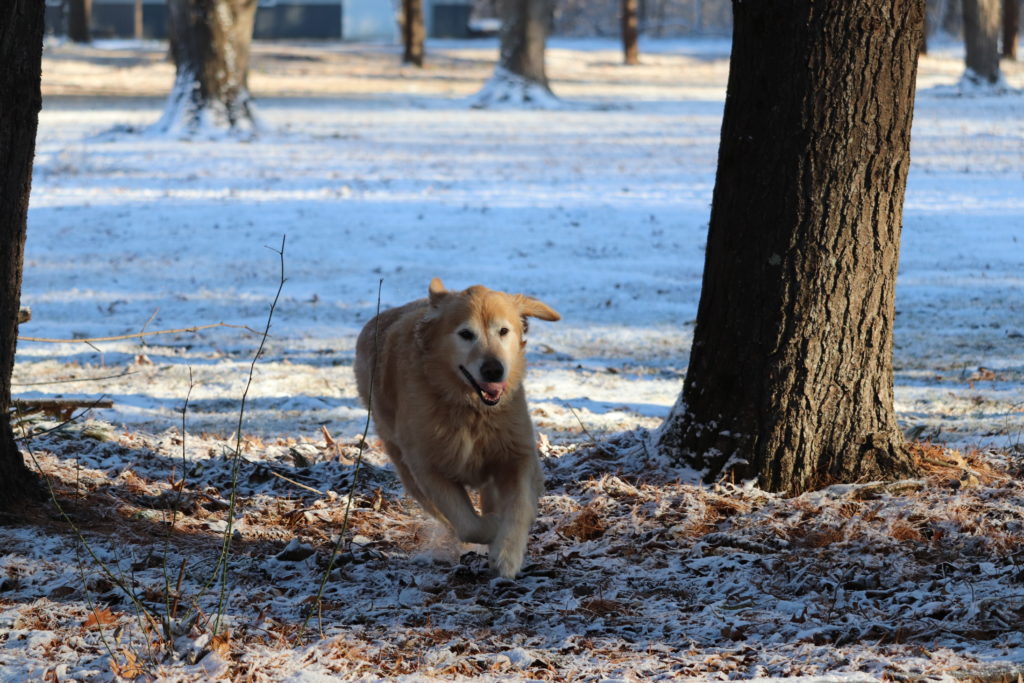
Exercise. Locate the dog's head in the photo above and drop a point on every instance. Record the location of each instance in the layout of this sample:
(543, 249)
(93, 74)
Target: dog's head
(474, 338)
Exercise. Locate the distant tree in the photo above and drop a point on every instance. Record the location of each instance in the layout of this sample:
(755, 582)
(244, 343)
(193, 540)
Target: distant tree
(520, 77)
(790, 378)
(630, 32)
(138, 28)
(981, 40)
(21, 52)
(1011, 26)
(79, 20)
(412, 32)
(210, 41)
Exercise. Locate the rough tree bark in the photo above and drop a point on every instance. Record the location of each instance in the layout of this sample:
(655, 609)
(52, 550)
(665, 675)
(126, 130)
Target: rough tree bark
(790, 379)
(1011, 26)
(520, 77)
(79, 20)
(981, 40)
(21, 52)
(412, 32)
(630, 33)
(210, 41)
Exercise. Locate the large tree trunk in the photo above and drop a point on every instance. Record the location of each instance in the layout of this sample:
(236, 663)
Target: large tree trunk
(520, 78)
(790, 380)
(79, 20)
(21, 52)
(630, 34)
(210, 42)
(981, 39)
(412, 32)
(1011, 25)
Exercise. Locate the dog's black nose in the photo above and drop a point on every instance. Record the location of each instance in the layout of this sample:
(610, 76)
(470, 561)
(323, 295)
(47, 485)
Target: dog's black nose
(491, 370)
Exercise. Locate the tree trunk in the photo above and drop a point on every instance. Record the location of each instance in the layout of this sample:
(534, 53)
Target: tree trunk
(1011, 25)
(524, 34)
(412, 32)
(790, 379)
(210, 41)
(139, 26)
(981, 39)
(21, 51)
(520, 77)
(923, 46)
(630, 34)
(79, 19)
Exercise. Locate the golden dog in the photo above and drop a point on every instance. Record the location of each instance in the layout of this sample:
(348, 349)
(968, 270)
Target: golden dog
(443, 378)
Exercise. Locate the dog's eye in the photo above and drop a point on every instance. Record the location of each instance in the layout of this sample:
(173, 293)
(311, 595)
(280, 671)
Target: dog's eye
(503, 331)
(467, 335)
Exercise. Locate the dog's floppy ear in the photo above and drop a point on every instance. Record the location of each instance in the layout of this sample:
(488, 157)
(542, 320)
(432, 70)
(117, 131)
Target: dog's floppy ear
(436, 291)
(435, 294)
(528, 306)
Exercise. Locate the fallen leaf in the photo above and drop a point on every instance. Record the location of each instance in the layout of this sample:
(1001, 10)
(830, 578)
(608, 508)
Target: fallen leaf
(99, 618)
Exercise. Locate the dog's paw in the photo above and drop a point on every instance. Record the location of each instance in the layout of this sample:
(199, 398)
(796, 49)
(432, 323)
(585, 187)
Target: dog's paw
(505, 561)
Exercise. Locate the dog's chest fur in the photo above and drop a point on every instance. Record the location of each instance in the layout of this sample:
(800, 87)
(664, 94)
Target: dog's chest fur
(471, 451)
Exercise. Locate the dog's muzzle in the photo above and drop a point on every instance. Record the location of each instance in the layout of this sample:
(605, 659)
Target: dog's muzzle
(490, 392)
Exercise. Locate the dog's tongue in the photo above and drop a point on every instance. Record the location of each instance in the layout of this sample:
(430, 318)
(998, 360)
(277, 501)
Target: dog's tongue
(492, 390)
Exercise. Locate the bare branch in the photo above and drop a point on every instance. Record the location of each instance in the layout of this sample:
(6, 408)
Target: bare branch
(137, 335)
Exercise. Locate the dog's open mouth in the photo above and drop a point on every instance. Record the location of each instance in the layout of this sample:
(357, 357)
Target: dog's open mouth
(490, 392)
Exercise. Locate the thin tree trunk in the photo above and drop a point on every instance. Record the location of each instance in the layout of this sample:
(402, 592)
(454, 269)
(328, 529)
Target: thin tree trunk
(630, 33)
(412, 32)
(1011, 26)
(79, 20)
(981, 39)
(21, 50)
(790, 379)
(139, 28)
(210, 42)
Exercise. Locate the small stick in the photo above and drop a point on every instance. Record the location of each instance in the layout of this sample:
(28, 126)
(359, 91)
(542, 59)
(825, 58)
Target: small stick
(137, 335)
(75, 379)
(292, 481)
(62, 406)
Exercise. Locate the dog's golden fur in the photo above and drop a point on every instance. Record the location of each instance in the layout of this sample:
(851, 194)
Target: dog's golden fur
(449, 406)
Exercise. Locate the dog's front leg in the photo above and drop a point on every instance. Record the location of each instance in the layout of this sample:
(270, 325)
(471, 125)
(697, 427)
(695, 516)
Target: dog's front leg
(452, 501)
(512, 497)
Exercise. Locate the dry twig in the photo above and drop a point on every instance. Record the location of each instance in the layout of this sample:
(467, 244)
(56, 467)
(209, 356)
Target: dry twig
(137, 335)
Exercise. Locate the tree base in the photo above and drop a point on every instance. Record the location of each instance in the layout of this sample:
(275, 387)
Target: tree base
(711, 454)
(186, 118)
(972, 84)
(507, 90)
(18, 484)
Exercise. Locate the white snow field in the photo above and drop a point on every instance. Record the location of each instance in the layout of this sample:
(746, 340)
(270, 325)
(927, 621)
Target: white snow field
(382, 174)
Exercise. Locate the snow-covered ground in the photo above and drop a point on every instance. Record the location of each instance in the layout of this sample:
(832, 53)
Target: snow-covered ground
(382, 174)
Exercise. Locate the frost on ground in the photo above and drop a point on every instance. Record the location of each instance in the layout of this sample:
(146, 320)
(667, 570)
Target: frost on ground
(382, 172)
(631, 574)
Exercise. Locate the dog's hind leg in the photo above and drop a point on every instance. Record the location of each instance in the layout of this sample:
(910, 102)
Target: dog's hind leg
(513, 499)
